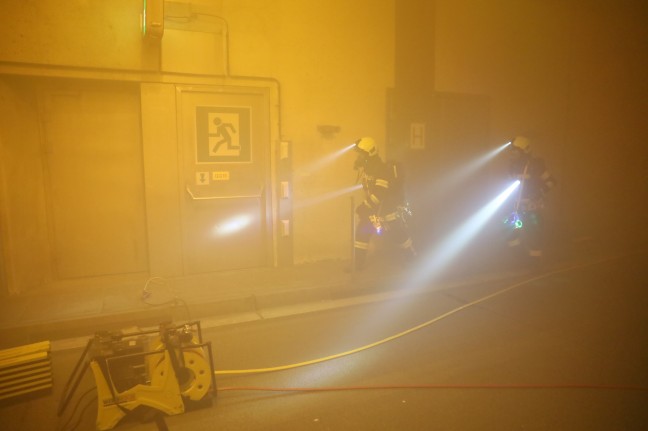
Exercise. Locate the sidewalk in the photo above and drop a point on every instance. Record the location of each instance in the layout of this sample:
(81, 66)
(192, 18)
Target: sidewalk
(80, 309)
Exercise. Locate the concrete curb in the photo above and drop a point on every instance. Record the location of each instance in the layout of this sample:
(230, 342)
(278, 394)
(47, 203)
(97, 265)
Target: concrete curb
(227, 310)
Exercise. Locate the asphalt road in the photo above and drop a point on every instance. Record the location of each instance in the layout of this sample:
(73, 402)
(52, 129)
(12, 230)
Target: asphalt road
(562, 351)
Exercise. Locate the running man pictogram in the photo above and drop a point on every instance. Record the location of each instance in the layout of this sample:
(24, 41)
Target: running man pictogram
(223, 132)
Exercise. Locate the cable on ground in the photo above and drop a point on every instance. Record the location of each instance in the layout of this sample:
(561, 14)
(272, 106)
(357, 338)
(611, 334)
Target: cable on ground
(415, 328)
(175, 300)
(434, 386)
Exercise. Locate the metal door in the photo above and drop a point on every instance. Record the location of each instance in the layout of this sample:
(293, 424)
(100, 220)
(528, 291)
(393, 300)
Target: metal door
(225, 142)
(93, 161)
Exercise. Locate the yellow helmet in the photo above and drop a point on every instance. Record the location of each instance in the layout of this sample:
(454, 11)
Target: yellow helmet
(522, 143)
(366, 145)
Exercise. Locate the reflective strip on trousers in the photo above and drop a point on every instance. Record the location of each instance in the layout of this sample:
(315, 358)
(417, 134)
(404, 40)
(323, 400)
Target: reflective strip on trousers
(406, 244)
(514, 242)
(361, 245)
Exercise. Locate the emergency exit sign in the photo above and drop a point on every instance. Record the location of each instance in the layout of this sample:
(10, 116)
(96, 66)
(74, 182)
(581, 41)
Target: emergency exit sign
(223, 134)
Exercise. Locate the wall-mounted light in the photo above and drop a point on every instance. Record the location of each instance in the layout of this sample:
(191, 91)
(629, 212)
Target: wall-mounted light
(153, 18)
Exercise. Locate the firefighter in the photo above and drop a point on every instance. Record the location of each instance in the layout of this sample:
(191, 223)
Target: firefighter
(535, 181)
(384, 209)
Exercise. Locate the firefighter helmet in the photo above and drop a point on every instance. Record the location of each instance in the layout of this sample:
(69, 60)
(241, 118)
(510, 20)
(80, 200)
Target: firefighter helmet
(366, 145)
(523, 144)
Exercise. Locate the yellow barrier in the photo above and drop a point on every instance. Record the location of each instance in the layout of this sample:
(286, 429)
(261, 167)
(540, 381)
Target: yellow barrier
(25, 370)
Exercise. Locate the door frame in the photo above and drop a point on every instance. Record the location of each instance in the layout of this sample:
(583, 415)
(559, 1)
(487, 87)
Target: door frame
(269, 91)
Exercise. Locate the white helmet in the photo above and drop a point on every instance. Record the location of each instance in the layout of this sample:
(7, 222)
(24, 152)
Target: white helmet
(522, 143)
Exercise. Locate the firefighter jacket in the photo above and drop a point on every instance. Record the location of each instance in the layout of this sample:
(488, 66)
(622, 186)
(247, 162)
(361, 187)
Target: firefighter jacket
(378, 183)
(535, 180)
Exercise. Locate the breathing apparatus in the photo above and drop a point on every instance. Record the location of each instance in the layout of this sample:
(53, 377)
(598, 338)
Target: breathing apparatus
(522, 145)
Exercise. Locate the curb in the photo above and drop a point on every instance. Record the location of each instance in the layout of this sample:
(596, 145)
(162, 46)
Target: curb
(230, 310)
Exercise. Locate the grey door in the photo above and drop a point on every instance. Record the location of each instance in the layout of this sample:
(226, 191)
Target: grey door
(93, 161)
(225, 142)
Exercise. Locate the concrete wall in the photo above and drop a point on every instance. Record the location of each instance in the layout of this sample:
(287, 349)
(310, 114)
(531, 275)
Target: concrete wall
(333, 62)
(571, 75)
(82, 33)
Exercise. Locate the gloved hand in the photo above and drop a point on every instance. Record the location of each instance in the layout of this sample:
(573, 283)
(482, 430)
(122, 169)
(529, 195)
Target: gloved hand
(379, 224)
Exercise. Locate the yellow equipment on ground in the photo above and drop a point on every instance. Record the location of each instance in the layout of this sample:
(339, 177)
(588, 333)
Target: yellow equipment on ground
(168, 370)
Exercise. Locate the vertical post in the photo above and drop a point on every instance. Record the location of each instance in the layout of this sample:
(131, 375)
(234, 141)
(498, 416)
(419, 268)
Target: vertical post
(353, 234)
